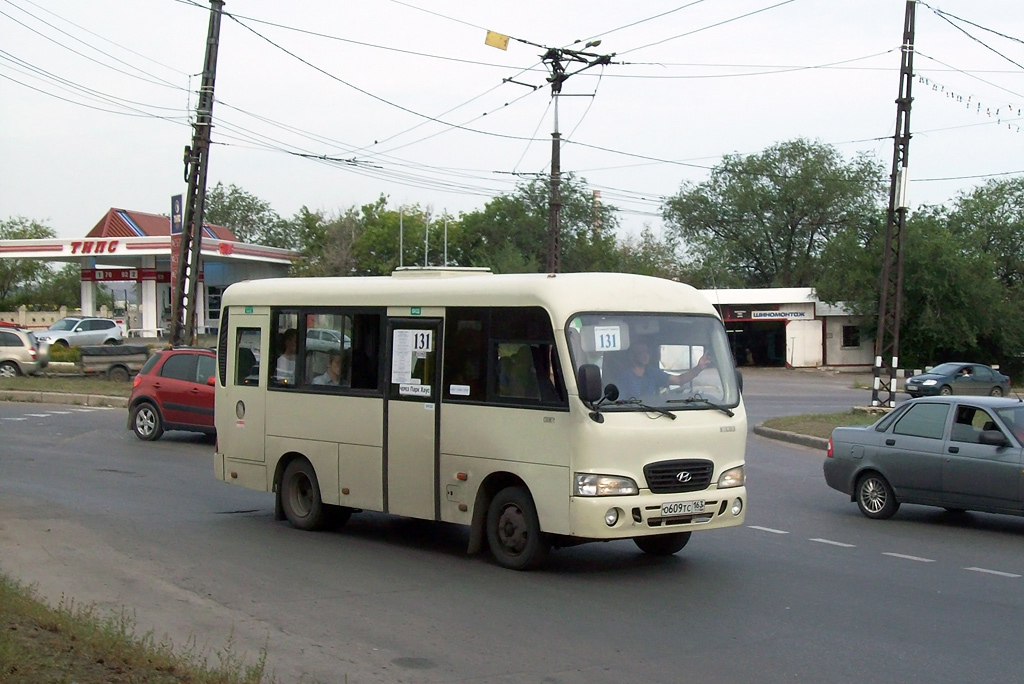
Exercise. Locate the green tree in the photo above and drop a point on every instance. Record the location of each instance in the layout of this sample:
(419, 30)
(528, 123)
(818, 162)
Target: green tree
(63, 287)
(21, 275)
(649, 254)
(956, 301)
(510, 234)
(765, 219)
(251, 219)
(327, 243)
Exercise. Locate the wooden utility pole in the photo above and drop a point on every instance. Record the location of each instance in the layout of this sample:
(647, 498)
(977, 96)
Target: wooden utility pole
(890, 305)
(185, 283)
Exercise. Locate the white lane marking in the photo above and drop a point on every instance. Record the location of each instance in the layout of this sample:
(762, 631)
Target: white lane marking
(992, 572)
(38, 415)
(60, 413)
(905, 557)
(15, 418)
(834, 543)
(767, 529)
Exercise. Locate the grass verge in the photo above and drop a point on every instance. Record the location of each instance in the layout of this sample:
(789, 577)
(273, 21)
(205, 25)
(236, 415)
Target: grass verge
(67, 384)
(820, 424)
(40, 644)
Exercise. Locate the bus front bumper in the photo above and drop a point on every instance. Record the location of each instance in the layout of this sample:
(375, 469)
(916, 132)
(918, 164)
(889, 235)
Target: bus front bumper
(623, 517)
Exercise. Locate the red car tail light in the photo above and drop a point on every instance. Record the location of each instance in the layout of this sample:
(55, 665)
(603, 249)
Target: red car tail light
(829, 452)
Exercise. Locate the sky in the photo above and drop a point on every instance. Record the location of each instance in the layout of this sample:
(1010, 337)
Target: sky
(330, 104)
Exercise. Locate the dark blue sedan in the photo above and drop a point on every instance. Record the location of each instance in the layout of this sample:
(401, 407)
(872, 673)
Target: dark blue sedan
(958, 378)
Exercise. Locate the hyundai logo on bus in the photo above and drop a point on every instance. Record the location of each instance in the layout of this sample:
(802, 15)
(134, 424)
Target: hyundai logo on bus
(683, 476)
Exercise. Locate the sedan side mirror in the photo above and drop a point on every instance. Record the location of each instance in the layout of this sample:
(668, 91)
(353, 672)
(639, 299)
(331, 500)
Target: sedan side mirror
(993, 438)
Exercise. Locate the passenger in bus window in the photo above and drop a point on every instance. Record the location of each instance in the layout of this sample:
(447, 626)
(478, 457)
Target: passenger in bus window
(333, 375)
(285, 372)
(644, 378)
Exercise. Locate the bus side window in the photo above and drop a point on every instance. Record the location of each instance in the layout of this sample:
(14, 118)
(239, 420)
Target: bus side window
(365, 360)
(466, 361)
(247, 368)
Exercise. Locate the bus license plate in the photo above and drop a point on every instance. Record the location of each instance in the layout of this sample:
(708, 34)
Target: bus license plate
(682, 507)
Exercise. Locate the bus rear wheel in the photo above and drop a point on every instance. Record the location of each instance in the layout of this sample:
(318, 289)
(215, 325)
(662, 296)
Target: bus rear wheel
(662, 544)
(513, 530)
(300, 496)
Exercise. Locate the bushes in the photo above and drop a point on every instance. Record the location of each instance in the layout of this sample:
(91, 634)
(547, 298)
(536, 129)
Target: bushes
(61, 353)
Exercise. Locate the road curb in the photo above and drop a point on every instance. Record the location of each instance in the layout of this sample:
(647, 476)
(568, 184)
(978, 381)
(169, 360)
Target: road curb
(791, 437)
(64, 398)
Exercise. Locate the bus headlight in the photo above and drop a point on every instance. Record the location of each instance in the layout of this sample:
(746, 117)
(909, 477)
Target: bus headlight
(588, 484)
(733, 477)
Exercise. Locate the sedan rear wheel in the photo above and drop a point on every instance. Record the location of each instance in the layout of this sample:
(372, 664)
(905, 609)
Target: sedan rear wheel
(946, 390)
(9, 369)
(996, 392)
(875, 497)
(146, 422)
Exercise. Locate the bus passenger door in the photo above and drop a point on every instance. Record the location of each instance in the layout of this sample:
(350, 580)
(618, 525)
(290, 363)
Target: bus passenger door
(240, 419)
(413, 421)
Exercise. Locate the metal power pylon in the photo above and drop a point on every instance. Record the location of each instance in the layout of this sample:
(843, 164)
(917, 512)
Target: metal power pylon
(890, 305)
(556, 59)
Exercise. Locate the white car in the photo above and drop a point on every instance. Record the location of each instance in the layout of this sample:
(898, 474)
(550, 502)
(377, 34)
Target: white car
(325, 339)
(79, 331)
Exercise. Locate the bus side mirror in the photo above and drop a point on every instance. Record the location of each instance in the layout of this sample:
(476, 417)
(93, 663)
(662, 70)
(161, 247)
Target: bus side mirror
(588, 379)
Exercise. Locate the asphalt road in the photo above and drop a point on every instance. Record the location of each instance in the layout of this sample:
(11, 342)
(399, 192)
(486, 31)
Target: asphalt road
(807, 591)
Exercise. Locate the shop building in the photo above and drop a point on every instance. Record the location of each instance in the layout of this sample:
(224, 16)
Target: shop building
(790, 327)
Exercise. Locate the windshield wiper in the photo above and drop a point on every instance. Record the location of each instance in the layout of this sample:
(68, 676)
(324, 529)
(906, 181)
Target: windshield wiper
(633, 401)
(697, 399)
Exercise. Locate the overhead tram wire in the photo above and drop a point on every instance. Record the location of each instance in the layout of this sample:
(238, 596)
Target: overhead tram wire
(709, 26)
(366, 92)
(943, 16)
(603, 34)
(159, 81)
(61, 83)
(350, 41)
(540, 122)
(967, 73)
(286, 148)
(435, 179)
(104, 39)
(95, 108)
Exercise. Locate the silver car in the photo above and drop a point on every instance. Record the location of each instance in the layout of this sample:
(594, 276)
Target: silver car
(961, 453)
(21, 353)
(77, 331)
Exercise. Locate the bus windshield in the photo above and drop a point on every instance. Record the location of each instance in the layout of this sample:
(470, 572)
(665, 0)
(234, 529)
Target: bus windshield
(663, 361)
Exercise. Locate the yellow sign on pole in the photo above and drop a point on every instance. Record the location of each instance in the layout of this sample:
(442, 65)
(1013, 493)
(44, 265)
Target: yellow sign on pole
(496, 40)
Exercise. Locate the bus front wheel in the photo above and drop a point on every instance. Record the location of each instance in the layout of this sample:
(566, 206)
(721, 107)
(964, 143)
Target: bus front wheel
(300, 496)
(513, 530)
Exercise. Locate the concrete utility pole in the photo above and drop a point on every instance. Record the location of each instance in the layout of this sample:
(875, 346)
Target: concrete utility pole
(186, 271)
(555, 59)
(890, 306)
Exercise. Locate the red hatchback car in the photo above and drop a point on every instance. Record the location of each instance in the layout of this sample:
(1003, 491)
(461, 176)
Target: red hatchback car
(173, 391)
